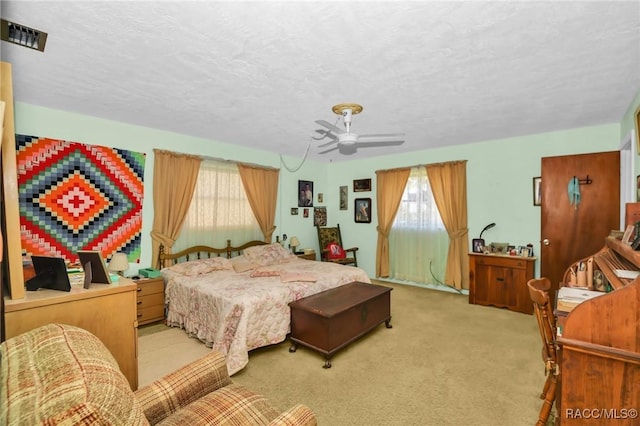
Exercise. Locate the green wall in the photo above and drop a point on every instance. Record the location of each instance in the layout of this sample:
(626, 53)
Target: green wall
(499, 174)
(499, 183)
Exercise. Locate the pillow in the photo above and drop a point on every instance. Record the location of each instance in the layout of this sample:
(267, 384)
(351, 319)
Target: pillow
(201, 266)
(334, 251)
(268, 254)
(257, 273)
(290, 276)
(242, 264)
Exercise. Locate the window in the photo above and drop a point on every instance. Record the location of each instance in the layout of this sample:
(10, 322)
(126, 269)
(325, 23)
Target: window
(418, 241)
(219, 209)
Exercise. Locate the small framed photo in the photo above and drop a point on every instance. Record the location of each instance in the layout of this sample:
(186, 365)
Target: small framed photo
(305, 193)
(362, 185)
(343, 197)
(294, 211)
(320, 216)
(537, 195)
(320, 197)
(629, 235)
(477, 245)
(305, 213)
(362, 210)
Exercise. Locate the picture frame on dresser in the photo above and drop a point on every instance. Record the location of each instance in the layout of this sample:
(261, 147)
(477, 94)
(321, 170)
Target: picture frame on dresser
(93, 264)
(477, 245)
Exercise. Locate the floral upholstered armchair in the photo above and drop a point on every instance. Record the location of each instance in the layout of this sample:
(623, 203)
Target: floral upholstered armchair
(60, 374)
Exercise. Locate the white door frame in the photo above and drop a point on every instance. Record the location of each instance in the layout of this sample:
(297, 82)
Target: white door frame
(628, 184)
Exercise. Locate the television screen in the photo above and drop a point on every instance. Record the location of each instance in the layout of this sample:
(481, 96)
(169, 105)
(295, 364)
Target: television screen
(98, 269)
(51, 272)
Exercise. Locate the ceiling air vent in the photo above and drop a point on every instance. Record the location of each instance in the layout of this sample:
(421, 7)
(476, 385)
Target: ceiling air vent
(24, 36)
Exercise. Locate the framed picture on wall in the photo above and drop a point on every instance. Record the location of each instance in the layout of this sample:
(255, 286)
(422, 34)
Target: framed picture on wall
(343, 197)
(537, 196)
(320, 216)
(362, 185)
(305, 193)
(362, 210)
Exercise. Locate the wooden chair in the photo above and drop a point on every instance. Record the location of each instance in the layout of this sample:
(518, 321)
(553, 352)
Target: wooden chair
(539, 292)
(327, 235)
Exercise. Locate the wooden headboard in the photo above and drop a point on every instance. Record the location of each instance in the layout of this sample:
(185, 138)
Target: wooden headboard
(202, 252)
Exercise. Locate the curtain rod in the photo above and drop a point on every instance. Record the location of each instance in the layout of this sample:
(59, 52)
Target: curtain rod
(208, 157)
(425, 165)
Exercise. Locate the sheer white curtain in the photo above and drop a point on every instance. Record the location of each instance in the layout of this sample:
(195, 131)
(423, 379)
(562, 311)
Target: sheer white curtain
(418, 241)
(219, 211)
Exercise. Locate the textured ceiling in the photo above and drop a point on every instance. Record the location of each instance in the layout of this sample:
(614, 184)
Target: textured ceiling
(259, 74)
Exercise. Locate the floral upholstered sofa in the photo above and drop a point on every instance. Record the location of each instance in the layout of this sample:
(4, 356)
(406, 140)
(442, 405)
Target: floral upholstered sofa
(63, 375)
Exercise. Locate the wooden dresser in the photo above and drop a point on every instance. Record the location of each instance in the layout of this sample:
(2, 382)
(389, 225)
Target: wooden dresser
(501, 281)
(599, 350)
(150, 300)
(106, 310)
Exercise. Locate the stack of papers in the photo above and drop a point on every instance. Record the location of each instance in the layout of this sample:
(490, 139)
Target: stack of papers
(570, 297)
(624, 273)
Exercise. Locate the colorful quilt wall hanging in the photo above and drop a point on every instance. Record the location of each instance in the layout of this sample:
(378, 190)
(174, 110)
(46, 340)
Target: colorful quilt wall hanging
(74, 196)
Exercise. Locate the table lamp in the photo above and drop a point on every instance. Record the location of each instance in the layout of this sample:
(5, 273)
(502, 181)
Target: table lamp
(294, 243)
(119, 263)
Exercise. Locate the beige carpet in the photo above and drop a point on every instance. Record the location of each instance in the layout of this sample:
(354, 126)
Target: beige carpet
(444, 362)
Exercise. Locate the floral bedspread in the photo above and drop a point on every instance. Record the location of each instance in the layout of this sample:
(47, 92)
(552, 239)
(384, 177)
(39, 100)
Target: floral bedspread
(235, 312)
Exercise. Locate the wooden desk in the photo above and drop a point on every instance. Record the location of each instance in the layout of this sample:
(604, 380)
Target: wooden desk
(599, 351)
(106, 310)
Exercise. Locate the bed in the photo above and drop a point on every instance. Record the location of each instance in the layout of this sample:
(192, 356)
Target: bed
(236, 299)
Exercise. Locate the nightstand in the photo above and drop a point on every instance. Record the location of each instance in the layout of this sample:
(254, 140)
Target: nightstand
(308, 256)
(150, 300)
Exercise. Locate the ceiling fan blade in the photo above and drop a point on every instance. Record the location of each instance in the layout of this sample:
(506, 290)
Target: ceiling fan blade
(378, 143)
(329, 150)
(326, 134)
(379, 135)
(330, 126)
(327, 144)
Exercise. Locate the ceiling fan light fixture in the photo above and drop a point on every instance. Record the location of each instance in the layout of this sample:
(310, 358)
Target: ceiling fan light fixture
(340, 108)
(347, 142)
(348, 138)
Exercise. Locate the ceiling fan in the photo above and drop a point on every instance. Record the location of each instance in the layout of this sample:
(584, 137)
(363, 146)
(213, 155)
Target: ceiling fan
(348, 142)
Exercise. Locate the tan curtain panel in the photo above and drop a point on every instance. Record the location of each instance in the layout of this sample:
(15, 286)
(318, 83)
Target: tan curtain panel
(174, 179)
(390, 186)
(449, 186)
(261, 186)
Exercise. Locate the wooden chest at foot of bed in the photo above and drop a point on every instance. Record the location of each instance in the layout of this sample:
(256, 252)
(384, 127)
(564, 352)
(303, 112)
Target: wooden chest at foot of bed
(330, 320)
